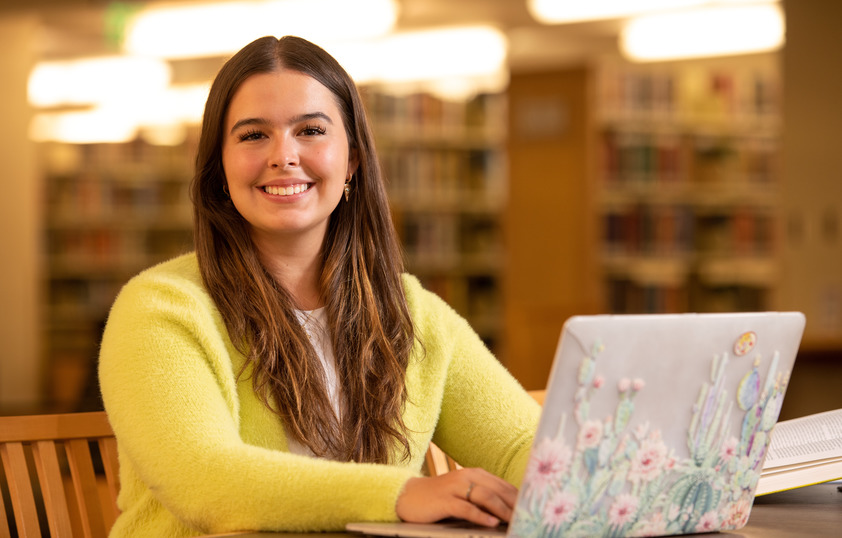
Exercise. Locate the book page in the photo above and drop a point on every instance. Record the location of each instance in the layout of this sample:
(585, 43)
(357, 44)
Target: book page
(805, 439)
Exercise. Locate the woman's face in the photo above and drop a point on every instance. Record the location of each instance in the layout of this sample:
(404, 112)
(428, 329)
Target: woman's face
(286, 155)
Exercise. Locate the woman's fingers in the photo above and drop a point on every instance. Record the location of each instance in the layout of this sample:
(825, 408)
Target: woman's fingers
(474, 514)
(493, 501)
(471, 494)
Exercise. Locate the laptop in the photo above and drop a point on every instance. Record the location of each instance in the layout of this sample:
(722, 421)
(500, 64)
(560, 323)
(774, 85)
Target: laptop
(653, 424)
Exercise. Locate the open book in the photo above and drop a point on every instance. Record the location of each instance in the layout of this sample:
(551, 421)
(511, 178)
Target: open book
(803, 451)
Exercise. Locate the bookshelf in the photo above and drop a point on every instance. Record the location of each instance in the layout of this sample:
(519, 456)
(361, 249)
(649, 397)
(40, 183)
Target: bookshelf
(687, 185)
(111, 211)
(445, 165)
(641, 188)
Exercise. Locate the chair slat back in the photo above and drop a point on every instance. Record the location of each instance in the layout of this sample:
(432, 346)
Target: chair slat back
(5, 532)
(52, 486)
(60, 448)
(20, 488)
(108, 452)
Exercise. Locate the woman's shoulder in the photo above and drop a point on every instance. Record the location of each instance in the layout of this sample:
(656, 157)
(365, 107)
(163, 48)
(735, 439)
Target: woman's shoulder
(426, 307)
(181, 268)
(176, 276)
(416, 294)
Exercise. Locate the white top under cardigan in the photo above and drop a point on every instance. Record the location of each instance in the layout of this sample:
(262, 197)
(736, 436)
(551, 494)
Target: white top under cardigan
(315, 325)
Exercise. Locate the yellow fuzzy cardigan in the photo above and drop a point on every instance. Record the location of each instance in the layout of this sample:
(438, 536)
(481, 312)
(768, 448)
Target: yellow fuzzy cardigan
(200, 454)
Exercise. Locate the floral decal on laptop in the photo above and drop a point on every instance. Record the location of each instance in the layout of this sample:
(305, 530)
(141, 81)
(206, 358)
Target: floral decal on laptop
(624, 481)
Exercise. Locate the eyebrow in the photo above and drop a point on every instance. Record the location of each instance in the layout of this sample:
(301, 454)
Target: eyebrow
(295, 119)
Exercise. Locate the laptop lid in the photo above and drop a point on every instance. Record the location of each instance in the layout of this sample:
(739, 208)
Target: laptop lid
(656, 424)
(653, 424)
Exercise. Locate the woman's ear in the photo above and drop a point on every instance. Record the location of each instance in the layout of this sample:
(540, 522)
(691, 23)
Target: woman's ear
(353, 162)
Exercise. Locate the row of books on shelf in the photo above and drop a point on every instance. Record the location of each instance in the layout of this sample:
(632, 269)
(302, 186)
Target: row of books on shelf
(137, 161)
(626, 296)
(711, 92)
(477, 298)
(669, 157)
(80, 300)
(450, 241)
(677, 229)
(421, 114)
(81, 252)
(443, 173)
(80, 199)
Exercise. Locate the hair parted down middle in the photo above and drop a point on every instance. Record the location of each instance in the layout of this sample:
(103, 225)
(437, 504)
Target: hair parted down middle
(368, 318)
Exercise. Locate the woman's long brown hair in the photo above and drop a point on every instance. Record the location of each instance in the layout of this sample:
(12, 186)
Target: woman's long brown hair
(369, 320)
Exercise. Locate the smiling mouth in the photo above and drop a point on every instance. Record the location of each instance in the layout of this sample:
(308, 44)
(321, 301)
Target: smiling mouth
(286, 191)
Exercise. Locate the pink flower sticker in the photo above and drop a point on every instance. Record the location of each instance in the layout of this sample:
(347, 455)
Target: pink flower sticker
(560, 509)
(548, 464)
(590, 434)
(623, 509)
(649, 461)
(729, 449)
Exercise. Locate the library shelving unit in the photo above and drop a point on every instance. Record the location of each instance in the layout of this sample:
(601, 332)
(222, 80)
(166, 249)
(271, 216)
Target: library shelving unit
(110, 211)
(688, 188)
(445, 167)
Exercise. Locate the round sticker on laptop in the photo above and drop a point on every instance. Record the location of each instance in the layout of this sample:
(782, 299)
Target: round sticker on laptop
(745, 343)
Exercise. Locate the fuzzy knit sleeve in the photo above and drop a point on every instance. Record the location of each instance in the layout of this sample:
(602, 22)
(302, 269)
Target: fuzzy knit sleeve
(198, 453)
(486, 419)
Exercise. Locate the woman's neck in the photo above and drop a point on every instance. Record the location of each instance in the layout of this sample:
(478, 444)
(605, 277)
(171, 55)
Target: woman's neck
(297, 266)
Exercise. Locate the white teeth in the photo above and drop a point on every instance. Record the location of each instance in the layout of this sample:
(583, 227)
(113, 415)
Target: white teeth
(286, 191)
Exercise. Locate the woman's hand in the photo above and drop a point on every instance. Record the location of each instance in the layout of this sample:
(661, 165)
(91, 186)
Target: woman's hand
(474, 495)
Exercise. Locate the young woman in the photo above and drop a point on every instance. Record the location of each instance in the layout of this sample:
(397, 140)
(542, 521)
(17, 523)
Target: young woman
(287, 375)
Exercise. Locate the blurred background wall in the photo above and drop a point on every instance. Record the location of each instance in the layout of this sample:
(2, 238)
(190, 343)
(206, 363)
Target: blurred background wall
(555, 176)
(20, 214)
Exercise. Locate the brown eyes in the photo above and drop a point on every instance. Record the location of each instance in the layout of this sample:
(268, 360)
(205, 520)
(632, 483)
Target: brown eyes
(256, 134)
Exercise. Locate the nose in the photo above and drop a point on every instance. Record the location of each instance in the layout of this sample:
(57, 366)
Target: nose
(284, 153)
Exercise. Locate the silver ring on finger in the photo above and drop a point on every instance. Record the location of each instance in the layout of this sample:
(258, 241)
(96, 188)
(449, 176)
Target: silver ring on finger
(468, 493)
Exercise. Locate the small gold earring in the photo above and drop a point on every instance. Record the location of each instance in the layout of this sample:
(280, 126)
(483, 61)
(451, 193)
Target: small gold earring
(348, 187)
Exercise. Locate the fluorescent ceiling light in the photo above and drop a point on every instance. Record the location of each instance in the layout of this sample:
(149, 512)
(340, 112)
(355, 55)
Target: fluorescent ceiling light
(96, 80)
(159, 116)
(454, 55)
(711, 31)
(562, 11)
(566, 11)
(222, 28)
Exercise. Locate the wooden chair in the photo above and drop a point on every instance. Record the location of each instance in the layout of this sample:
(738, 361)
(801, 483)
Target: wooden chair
(68, 492)
(437, 462)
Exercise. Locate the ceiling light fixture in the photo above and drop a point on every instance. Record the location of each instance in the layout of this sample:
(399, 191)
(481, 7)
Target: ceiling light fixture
(159, 116)
(88, 81)
(704, 32)
(458, 61)
(567, 11)
(222, 28)
(426, 54)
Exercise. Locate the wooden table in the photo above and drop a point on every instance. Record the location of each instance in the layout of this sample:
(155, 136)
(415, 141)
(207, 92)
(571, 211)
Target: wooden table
(813, 511)
(810, 511)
